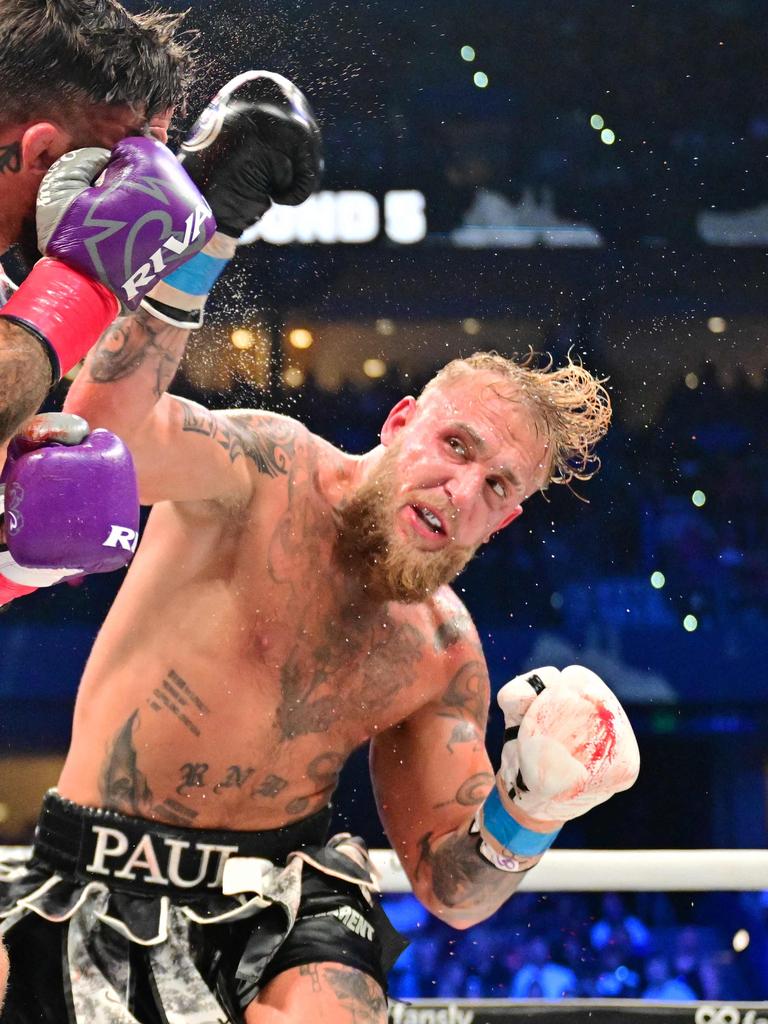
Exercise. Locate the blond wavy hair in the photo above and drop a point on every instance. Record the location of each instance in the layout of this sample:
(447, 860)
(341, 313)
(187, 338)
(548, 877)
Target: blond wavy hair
(569, 404)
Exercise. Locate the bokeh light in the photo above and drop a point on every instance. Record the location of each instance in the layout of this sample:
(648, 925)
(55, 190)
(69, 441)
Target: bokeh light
(740, 940)
(374, 368)
(293, 376)
(243, 338)
(300, 337)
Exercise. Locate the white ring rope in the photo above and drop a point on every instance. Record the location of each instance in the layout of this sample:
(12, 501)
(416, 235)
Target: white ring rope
(609, 871)
(622, 871)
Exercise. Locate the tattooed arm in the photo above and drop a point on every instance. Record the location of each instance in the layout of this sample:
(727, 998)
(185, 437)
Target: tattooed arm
(182, 451)
(25, 377)
(431, 773)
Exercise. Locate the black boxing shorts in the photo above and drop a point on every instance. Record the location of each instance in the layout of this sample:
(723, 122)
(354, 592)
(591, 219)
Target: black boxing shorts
(120, 918)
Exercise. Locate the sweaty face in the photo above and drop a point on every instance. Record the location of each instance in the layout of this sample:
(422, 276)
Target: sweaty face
(372, 547)
(457, 467)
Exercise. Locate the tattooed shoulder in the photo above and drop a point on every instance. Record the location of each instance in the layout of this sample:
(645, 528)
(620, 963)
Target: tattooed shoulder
(267, 440)
(270, 441)
(454, 625)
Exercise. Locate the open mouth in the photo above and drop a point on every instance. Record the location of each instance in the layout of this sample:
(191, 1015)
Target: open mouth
(431, 520)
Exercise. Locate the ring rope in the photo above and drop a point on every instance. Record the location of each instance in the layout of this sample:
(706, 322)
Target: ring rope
(622, 871)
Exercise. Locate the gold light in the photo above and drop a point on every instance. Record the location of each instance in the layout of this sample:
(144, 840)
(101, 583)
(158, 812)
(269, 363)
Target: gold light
(374, 368)
(243, 338)
(300, 337)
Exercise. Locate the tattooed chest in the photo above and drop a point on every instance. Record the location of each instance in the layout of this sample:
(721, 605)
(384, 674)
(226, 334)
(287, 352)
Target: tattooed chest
(349, 681)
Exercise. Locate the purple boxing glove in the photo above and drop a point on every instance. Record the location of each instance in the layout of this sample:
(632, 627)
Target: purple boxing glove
(71, 503)
(143, 218)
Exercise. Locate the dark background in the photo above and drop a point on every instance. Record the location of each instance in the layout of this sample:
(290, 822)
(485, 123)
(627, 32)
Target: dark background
(677, 323)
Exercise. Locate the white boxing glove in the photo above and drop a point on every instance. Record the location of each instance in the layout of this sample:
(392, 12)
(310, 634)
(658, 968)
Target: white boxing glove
(568, 747)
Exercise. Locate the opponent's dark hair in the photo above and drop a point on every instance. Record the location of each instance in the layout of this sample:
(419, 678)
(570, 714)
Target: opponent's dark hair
(58, 56)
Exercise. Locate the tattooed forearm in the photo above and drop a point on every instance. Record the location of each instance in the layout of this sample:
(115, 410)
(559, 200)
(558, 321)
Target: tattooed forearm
(476, 788)
(138, 342)
(25, 377)
(464, 732)
(463, 882)
(467, 695)
(472, 791)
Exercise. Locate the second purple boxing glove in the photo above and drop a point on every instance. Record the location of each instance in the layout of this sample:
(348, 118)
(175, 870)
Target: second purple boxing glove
(71, 502)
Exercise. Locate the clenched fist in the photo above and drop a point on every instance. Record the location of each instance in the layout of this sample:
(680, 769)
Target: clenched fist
(568, 747)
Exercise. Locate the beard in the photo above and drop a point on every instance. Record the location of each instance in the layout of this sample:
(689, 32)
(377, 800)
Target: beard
(368, 546)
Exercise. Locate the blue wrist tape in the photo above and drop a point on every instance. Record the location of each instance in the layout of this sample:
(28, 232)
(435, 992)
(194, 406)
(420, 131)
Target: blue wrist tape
(509, 833)
(198, 275)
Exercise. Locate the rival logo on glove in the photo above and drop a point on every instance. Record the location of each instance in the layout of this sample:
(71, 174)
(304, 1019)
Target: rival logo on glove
(121, 537)
(156, 264)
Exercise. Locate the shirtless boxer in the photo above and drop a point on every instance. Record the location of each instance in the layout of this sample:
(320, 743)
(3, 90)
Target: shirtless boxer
(289, 602)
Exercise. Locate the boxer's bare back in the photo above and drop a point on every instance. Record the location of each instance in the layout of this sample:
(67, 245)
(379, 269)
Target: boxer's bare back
(240, 665)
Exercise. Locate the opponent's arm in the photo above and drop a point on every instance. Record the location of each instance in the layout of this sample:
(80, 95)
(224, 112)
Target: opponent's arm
(71, 295)
(568, 746)
(76, 290)
(25, 377)
(256, 143)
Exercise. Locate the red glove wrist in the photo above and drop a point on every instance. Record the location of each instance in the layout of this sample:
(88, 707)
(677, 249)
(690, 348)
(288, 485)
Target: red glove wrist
(9, 591)
(67, 311)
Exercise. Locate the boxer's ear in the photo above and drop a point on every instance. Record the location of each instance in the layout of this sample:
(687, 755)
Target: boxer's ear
(398, 417)
(513, 515)
(41, 145)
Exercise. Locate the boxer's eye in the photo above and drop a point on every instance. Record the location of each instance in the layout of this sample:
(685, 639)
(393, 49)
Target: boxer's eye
(458, 447)
(498, 487)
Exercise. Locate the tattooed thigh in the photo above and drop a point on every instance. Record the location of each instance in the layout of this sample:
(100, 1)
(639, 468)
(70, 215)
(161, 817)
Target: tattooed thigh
(323, 992)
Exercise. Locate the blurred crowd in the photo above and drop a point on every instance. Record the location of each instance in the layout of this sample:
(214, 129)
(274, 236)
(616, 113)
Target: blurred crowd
(637, 946)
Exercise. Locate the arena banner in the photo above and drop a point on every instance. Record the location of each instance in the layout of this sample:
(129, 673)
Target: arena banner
(574, 1011)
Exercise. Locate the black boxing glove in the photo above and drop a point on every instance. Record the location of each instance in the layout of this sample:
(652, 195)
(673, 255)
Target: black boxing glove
(257, 142)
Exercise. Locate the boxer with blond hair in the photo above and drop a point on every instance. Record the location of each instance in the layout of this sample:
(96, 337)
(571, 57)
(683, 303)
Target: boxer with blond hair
(289, 602)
